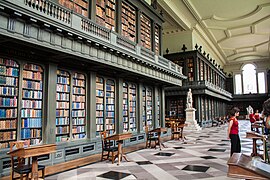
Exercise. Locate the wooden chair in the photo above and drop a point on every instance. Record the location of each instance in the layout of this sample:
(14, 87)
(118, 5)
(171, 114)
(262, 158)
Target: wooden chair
(150, 137)
(177, 131)
(107, 148)
(22, 168)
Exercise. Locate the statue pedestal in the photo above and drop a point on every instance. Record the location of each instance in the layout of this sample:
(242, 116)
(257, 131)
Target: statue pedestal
(190, 120)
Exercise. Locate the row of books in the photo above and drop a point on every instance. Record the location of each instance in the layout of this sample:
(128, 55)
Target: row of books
(110, 94)
(32, 94)
(78, 90)
(8, 124)
(32, 75)
(78, 105)
(32, 67)
(30, 133)
(78, 76)
(99, 114)
(78, 121)
(8, 101)
(62, 96)
(31, 104)
(109, 88)
(78, 98)
(30, 113)
(78, 136)
(9, 71)
(99, 86)
(79, 82)
(8, 113)
(63, 80)
(78, 129)
(11, 135)
(109, 101)
(99, 127)
(62, 130)
(8, 91)
(32, 123)
(109, 114)
(78, 113)
(62, 88)
(8, 81)
(62, 113)
(109, 121)
(32, 85)
(8, 62)
(109, 107)
(62, 121)
(99, 107)
(99, 100)
(62, 105)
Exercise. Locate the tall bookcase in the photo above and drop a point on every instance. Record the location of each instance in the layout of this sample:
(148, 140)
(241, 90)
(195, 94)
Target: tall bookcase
(128, 21)
(190, 64)
(125, 108)
(62, 121)
(110, 106)
(176, 108)
(78, 106)
(105, 13)
(147, 108)
(9, 74)
(145, 32)
(132, 107)
(157, 39)
(78, 6)
(31, 111)
(99, 105)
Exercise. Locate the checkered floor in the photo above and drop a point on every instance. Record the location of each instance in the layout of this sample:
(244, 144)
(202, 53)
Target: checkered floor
(203, 155)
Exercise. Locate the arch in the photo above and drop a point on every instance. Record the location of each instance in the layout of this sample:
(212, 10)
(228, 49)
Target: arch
(249, 78)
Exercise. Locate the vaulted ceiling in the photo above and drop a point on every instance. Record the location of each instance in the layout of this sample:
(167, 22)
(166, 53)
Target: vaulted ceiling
(240, 29)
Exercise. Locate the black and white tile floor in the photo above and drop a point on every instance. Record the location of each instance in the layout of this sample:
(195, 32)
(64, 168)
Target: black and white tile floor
(204, 155)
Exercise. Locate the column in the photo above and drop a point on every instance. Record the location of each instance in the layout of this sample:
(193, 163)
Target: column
(48, 128)
(155, 107)
(162, 107)
(257, 83)
(118, 9)
(140, 108)
(138, 27)
(198, 107)
(91, 105)
(119, 105)
(93, 10)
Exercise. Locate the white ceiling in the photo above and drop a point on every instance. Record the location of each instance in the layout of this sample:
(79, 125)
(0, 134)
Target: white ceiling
(240, 29)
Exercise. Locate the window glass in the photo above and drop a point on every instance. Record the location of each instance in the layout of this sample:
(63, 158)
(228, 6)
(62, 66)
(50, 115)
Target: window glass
(261, 82)
(249, 79)
(238, 84)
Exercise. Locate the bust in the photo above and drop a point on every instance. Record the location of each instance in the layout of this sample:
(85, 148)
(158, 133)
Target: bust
(189, 99)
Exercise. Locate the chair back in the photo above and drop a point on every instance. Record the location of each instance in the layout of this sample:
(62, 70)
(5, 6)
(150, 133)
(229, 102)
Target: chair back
(105, 143)
(16, 145)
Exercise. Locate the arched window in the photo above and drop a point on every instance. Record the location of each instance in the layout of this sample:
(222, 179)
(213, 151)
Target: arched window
(249, 79)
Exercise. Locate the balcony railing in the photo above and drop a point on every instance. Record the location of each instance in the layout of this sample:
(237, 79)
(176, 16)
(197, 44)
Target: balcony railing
(209, 85)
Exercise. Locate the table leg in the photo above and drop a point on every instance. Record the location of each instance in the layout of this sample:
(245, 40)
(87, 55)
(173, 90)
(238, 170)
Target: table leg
(254, 148)
(34, 174)
(119, 152)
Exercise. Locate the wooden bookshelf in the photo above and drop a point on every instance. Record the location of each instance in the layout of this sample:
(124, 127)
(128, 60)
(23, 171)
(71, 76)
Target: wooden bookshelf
(110, 106)
(78, 106)
(145, 32)
(201, 70)
(99, 105)
(105, 13)
(128, 21)
(190, 64)
(78, 6)
(132, 107)
(62, 121)
(157, 39)
(202, 108)
(31, 111)
(9, 75)
(125, 108)
(176, 108)
(147, 108)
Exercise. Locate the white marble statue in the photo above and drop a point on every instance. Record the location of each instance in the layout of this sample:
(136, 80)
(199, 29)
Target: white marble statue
(189, 99)
(249, 110)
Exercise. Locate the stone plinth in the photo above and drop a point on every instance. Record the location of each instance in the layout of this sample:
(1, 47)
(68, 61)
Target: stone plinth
(190, 120)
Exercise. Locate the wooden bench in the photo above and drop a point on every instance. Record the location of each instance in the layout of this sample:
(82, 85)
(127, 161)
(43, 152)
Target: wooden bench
(244, 167)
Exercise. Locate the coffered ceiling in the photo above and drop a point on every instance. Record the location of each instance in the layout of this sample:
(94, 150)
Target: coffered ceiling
(240, 29)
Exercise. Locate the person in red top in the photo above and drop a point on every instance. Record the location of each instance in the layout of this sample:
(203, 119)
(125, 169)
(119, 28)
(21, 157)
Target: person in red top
(252, 120)
(233, 130)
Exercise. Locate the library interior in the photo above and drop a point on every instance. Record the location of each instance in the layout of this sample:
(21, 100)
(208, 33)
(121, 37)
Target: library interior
(134, 89)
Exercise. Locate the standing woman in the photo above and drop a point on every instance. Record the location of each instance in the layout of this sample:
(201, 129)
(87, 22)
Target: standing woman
(233, 131)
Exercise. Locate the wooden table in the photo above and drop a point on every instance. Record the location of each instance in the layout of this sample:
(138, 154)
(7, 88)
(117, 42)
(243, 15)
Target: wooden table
(159, 131)
(120, 138)
(244, 167)
(254, 136)
(33, 152)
